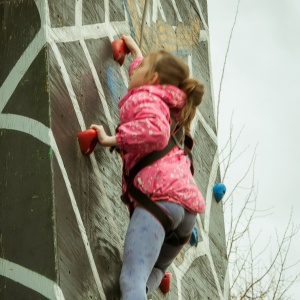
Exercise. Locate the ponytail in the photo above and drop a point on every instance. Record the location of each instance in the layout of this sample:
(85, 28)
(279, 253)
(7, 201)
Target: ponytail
(172, 70)
(194, 91)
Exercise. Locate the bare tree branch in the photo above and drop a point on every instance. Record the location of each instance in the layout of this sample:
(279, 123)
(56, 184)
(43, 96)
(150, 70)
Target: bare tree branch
(250, 276)
(225, 61)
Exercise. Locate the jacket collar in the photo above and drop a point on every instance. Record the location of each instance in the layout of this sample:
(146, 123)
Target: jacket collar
(171, 95)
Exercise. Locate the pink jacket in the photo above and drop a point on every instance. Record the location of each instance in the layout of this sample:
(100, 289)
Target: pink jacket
(144, 127)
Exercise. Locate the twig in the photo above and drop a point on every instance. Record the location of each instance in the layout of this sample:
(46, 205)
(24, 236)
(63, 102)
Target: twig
(225, 61)
(143, 22)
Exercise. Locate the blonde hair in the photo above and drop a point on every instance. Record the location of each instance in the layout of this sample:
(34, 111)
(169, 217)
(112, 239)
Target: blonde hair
(172, 70)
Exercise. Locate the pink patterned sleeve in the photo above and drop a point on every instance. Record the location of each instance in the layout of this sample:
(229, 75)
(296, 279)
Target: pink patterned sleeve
(135, 64)
(148, 131)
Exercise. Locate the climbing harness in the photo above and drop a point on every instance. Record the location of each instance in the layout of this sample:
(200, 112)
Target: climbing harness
(178, 137)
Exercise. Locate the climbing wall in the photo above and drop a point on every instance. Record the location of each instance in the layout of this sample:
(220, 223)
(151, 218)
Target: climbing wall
(62, 224)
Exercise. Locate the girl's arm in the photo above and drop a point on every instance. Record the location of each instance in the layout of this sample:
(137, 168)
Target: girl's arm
(135, 51)
(149, 128)
(104, 139)
(148, 131)
(132, 46)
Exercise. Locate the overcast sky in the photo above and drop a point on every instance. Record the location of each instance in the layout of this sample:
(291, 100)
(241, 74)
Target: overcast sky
(261, 85)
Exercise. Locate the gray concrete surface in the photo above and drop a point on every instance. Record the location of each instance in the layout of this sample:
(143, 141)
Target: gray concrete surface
(62, 223)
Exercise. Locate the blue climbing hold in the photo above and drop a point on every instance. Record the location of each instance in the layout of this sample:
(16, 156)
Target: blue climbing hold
(194, 237)
(219, 191)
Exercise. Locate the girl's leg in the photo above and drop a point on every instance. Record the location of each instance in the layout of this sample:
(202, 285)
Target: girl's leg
(183, 223)
(144, 238)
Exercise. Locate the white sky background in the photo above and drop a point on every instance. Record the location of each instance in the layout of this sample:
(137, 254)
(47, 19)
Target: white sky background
(262, 87)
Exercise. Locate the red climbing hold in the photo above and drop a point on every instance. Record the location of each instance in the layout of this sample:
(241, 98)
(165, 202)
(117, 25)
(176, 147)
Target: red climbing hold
(120, 50)
(87, 141)
(165, 284)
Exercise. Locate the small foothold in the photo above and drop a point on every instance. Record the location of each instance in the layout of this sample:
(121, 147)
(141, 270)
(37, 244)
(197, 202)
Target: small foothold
(194, 237)
(219, 191)
(120, 50)
(165, 284)
(87, 141)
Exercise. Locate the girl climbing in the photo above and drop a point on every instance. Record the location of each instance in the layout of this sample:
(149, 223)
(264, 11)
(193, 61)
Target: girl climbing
(158, 185)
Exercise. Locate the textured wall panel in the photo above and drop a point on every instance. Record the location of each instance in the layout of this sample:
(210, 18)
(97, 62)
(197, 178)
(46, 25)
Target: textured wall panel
(62, 224)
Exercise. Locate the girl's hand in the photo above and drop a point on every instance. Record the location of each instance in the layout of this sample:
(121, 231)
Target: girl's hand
(104, 139)
(132, 46)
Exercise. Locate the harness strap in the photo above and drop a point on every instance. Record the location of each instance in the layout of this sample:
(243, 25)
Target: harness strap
(161, 215)
(140, 197)
(188, 146)
(174, 240)
(177, 138)
(155, 155)
(152, 207)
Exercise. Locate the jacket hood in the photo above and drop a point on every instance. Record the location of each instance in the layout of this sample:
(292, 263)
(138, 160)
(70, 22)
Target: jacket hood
(171, 95)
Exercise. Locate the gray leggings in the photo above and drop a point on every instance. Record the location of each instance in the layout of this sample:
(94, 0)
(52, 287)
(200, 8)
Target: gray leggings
(146, 257)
